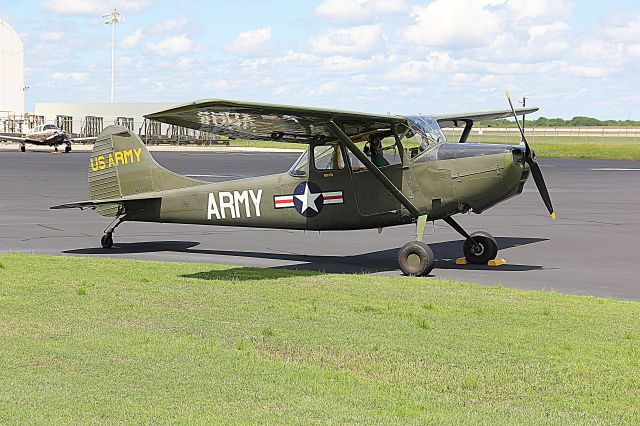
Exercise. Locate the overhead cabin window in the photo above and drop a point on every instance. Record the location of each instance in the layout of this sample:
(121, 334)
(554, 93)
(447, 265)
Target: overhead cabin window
(328, 157)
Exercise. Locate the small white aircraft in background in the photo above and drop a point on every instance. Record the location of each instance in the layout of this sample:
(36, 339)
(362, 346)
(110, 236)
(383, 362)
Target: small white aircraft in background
(45, 135)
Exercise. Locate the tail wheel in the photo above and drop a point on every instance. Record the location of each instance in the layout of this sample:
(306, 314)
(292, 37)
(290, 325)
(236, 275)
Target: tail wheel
(107, 241)
(483, 250)
(416, 259)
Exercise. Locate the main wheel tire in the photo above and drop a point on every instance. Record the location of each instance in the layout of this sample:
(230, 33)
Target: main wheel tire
(67, 148)
(23, 148)
(106, 241)
(485, 250)
(416, 258)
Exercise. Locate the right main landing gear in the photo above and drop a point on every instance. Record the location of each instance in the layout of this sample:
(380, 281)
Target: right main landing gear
(23, 147)
(107, 239)
(479, 248)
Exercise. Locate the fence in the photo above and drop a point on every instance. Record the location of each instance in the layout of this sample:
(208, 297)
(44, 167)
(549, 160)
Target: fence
(550, 135)
(151, 132)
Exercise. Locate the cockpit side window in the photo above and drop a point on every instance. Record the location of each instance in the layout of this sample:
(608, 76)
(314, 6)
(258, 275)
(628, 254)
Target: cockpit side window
(49, 127)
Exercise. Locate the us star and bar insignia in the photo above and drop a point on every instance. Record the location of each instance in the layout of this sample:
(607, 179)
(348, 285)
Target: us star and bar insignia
(308, 199)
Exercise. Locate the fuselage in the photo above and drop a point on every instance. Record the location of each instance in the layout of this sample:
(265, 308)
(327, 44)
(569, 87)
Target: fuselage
(442, 181)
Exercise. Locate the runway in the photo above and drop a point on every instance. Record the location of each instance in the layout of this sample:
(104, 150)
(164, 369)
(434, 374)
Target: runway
(592, 248)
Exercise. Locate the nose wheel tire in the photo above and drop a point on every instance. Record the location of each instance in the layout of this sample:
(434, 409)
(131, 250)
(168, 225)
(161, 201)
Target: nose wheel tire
(107, 241)
(483, 250)
(416, 259)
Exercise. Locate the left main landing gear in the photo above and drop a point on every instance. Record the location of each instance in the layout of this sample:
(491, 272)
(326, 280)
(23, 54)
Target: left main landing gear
(479, 248)
(416, 259)
(107, 238)
(67, 148)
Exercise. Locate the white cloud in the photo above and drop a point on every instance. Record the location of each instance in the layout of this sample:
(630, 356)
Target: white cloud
(591, 71)
(77, 77)
(170, 25)
(52, 36)
(132, 40)
(253, 64)
(539, 31)
(356, 41)
(280, 90)
(454, 23)
(176, 45)
(463, 24)
(347, 64)
(218, 85)
(296, 58)
(323, 89)
(530, 9)
(93, 7)
(626, 32)
(410, 71)
(251, 43)
(354, 11)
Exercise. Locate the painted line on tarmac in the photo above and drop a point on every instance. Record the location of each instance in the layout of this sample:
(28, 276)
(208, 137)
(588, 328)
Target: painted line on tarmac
(615, 169)
(216, 176)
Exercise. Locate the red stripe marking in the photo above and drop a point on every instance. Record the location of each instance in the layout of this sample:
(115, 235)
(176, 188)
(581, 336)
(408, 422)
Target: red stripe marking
(333, 197)
(285, 201)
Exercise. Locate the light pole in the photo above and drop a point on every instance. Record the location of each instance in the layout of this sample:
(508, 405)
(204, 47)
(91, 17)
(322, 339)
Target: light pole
(524, 104)
(112, 19)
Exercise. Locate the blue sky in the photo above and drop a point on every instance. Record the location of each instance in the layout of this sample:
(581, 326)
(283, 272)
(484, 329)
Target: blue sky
(399, 56)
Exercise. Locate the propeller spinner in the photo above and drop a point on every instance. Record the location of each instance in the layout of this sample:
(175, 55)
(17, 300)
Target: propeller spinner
(533, 166)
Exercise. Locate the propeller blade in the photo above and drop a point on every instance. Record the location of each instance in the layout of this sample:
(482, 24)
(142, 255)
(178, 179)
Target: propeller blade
(533, 166)
(542, 187)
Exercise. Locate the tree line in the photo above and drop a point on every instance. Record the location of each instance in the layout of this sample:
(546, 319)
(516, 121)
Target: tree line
(560, 122)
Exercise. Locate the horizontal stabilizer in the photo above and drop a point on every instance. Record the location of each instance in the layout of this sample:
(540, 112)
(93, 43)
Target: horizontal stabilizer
(96, 203)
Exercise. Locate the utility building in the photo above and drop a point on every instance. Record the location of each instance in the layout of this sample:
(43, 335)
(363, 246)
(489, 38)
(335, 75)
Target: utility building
(11, 72)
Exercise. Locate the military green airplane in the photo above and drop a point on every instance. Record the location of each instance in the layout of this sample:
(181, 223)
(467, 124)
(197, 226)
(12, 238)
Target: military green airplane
(359, 171)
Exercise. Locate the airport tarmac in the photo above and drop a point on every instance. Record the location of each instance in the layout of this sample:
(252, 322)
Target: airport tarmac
(592, 248)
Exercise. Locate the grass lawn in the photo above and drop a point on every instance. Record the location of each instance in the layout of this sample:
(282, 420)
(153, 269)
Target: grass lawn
(93, 340)
(607, 148)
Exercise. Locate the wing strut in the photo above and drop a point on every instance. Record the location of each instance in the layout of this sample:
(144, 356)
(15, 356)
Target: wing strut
(467, 130)
(373, 168)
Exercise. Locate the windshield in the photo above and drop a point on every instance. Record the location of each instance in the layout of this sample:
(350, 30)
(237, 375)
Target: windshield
(301, 166)
(424, 130)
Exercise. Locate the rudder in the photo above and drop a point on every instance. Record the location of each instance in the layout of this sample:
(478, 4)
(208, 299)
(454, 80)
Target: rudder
(121, 165)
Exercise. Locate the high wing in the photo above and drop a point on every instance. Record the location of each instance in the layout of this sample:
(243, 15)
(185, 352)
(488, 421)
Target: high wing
(258, 121)
(12, 138)
(460, 119)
